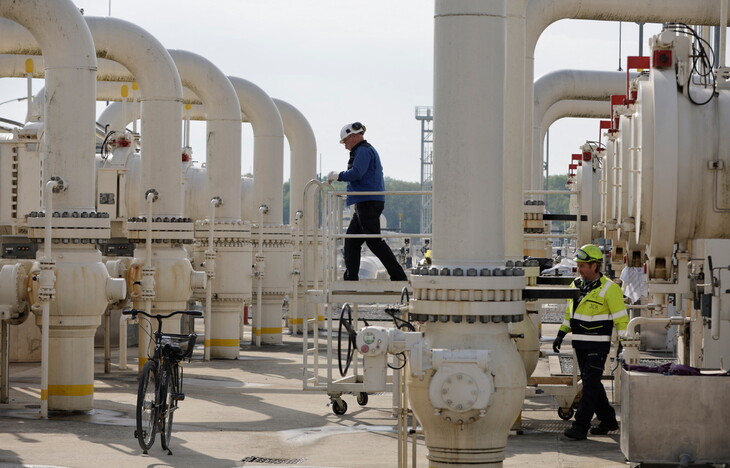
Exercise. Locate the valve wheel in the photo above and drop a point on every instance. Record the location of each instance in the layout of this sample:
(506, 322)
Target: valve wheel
(346, 324)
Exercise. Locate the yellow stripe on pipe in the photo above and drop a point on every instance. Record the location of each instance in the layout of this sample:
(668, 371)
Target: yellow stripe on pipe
(44, 394)
(266, 331)
(296, 321)
(142, 362)
(320, 318)
(225, 343)
(71, 390)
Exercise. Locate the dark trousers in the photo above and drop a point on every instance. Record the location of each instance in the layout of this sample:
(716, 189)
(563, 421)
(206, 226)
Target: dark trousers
(594, 399)
(366, 220)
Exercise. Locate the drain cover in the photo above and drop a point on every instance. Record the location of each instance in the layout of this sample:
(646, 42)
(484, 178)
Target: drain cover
(274, 461)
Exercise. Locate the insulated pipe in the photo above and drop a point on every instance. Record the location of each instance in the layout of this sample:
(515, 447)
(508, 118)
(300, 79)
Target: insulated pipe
(470, 85)
(223, 160)
(540, 14)
(463, 154)
(268, 147)
(303, 168)
(573, 108)
(514, 140)
(561, 85)
(70, 67)
(161, 101)
(303, 148)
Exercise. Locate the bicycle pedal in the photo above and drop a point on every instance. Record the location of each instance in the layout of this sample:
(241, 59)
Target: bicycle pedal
(178, 396)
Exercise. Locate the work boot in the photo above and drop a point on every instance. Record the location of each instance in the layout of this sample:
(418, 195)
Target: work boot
(575, 434)
(604, 428)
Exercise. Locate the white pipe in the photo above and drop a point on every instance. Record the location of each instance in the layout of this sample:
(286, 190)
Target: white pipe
(268, 147)
(260, 267)
(60, 31)
(47, 280)
(303, 148)
(296, 273)
(723, 32)
(123, 320)
(210, 271)
(562, 85)
(715, 318)
(462, 132)
(540, 14)
(576, 109)
(636, 321)
(223, 160)
(161, 102)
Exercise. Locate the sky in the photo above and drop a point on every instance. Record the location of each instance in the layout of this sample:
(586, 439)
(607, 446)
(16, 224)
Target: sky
(339, 62)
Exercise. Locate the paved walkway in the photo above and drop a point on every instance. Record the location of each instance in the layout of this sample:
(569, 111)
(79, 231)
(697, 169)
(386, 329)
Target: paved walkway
(253, 412)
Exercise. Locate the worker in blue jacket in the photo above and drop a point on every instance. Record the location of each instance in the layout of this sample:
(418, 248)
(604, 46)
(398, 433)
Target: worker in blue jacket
(364, 174)
(598, 309)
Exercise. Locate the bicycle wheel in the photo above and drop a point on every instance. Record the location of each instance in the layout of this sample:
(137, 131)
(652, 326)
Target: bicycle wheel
(147, 409)
(167, 390)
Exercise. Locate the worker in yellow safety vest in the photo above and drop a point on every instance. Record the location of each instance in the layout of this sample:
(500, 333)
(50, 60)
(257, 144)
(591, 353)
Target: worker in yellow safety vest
(591, 318)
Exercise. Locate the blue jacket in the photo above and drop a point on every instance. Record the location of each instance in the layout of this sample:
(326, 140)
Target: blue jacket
(364, 174)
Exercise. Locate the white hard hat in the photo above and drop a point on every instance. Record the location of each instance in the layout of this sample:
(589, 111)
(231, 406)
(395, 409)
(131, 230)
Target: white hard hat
(349, 129)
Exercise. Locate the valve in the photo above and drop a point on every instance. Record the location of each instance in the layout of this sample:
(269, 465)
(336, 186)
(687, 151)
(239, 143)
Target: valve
(374, 343)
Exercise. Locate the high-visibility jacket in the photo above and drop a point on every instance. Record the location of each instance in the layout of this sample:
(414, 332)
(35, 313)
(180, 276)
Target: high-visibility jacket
(597, 313)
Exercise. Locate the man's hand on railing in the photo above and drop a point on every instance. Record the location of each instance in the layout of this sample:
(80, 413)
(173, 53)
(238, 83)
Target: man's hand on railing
(333, 176)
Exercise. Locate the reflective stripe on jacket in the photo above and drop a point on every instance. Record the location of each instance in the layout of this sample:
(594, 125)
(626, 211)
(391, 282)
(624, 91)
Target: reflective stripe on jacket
(597, 313)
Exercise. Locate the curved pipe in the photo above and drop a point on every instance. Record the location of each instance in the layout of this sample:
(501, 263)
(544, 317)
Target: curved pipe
(539, 14)
(567, 84)
(59, 30)
(223, 158)
(149, 64)
(161, 101)
(573, 108)
(268, 147)
(297, 130)
(303, 148)
(636, 321)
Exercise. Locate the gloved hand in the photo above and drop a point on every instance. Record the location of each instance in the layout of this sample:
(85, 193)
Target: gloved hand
(558, 341)
(333, 176)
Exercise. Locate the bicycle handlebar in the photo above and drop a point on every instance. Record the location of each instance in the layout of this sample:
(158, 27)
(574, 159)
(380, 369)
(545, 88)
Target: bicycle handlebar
(134, 312)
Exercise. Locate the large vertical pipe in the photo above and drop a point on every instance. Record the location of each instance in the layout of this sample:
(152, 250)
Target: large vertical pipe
(303, 148)
(223, 160)
(469, 85)
(70, 69)
(68, 147)
(223, 171)
(514, 141)
(161, 102)
(303, 168)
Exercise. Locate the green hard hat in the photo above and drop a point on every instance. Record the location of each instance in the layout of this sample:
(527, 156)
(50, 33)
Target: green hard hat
(588, 253)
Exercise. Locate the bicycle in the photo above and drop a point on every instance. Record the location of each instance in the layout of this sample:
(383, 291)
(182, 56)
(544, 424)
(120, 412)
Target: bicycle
(160, 383)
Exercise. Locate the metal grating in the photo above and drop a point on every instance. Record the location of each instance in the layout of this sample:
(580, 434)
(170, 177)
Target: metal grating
(546, 426)
(274, 461)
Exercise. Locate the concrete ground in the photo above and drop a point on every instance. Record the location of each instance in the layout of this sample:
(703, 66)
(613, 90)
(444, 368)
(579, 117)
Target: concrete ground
(253, 412)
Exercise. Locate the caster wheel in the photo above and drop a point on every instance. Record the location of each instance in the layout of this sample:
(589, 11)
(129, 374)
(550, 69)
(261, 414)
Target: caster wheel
(339, 407)
(565, 414)
(362, 398)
